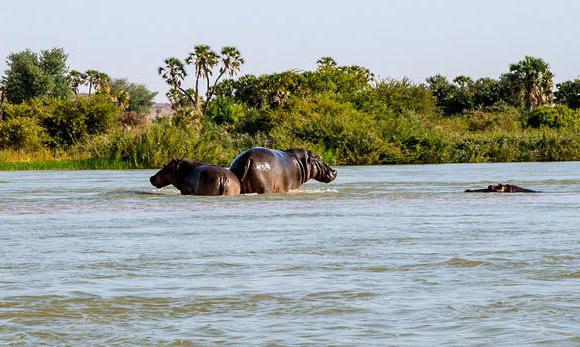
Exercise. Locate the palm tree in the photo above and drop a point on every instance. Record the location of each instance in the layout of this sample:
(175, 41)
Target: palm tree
(92, 78)
(103, 83)
(204, 61)
(174, 73)
(122, 99)
(326, 62)
(531, 80)
(75, 80)
(231, 60)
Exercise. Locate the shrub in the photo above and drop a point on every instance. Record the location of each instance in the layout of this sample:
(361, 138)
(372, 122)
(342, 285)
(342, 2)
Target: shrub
(324, 124)
(559, 116)
(21, 133)
(224, 111)
(68, 121)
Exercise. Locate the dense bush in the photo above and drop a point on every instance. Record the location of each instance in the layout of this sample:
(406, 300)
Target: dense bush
(559, 116)
(224, 110)
(21, 133)
(568, 93)
(68, 121)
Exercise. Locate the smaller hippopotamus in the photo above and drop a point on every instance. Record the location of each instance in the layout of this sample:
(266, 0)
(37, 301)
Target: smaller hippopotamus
(501, 188)
(196, 178)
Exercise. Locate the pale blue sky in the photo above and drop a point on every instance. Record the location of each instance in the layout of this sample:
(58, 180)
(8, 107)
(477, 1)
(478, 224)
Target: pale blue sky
(413, 38)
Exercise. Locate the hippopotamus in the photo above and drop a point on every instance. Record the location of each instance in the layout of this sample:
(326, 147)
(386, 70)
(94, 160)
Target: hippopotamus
(263, 170)
(501, 188)
(196, 178)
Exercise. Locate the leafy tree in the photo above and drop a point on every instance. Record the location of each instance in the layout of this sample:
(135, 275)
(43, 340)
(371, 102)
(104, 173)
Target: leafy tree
(53, 63)
(2, 98)
(344, 81)
(31, 75)
(530, 81)
(487, 92)
(134, 97)
(568, 93)
(396, 97)
(24, 77)
(453, 98)
(274, 90)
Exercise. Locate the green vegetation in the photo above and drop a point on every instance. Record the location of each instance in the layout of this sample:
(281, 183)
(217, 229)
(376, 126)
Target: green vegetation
(343, 113)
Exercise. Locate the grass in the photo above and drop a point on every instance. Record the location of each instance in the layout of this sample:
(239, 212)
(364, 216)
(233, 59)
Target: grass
(67, 164)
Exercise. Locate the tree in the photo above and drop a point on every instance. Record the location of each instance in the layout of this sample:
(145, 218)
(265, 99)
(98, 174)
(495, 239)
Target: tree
(568, 93)
(134, 97)
(203, 60)
(53, 63)
(174, 74)
(103, 83)
(326, 62)
(31, 75)
(487, 92)
(231, 62)
(2, 98)
(92, 78)
(530, 81)
(75, 80)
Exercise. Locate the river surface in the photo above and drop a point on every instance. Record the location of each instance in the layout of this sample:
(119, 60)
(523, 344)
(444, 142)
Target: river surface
(384, 255)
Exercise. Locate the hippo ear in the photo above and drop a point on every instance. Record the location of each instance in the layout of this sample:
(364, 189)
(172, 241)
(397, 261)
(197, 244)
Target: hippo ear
(175, 165)
(313, 155)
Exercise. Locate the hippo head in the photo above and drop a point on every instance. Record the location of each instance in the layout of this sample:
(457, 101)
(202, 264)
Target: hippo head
(315, 168)
(497, 188)
(167, 175)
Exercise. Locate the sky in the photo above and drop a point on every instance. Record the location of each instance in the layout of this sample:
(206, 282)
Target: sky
(404, 38)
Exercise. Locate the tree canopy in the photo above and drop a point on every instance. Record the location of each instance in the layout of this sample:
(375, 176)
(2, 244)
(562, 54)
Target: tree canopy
(31, 75)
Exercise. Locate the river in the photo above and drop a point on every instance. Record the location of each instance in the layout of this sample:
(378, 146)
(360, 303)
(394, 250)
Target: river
(384, 255)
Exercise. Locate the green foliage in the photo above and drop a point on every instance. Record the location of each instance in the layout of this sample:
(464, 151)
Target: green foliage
(155, 145)
(323, 123)
(465, 95)
(21, 133)
(559, 116)
(31, 75)
(253, 122)
(224, 111)
(396, 96)
(68, 121)
(139, 97)
(530, 81)
(204, 61)
(568, 93)
(339, 112)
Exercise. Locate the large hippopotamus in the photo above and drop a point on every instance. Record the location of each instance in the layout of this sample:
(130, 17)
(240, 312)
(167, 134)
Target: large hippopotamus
(263, 170)
(196, 178)
(501, 188)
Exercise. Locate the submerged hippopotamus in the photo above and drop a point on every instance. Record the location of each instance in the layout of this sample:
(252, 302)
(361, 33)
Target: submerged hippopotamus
(263, 170)
(196, 178)
(501, 188)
